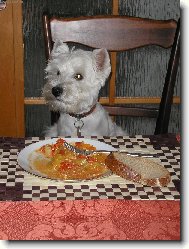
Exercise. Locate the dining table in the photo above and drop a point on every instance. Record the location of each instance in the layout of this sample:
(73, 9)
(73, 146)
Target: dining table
(105, 208)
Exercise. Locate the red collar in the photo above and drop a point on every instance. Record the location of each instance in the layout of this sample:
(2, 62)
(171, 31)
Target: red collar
(82, 115)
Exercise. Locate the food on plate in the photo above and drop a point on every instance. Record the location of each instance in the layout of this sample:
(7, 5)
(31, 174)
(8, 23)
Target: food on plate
(57, 162)
(138, 169)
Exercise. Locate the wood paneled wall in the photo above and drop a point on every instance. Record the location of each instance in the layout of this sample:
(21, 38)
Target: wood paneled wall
(11, 76)
(139, 66)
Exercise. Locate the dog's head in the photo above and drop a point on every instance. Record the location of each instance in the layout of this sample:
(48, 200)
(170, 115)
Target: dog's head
(74, 78)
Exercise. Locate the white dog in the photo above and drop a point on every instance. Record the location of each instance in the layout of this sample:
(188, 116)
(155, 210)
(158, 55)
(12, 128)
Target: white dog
(74, 79)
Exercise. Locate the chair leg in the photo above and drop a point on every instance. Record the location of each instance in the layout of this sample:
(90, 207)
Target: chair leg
(168, 90)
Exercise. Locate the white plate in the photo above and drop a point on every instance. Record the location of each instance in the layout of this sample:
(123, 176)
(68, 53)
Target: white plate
(23, 157)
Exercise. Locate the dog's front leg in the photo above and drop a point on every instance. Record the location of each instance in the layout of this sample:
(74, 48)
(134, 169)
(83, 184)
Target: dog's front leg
(51, 131)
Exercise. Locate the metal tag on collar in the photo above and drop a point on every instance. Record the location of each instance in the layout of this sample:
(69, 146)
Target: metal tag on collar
(78, 125)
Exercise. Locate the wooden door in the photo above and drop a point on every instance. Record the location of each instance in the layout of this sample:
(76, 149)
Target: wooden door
(11, 66)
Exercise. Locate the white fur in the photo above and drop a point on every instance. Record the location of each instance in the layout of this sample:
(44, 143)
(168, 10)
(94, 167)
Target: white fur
(78, 96)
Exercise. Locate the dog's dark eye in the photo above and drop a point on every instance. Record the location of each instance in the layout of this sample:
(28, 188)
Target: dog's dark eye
(78, 76)
(58, 72)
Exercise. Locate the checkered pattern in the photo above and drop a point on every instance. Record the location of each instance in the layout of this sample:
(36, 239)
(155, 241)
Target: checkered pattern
(100, 191)
(16, 184)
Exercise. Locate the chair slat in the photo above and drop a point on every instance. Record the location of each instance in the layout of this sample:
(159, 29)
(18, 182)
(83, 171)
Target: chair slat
(131, 111)
(114, 33)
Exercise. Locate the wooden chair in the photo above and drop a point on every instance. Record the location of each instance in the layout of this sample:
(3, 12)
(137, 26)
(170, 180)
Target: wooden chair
(121, 33)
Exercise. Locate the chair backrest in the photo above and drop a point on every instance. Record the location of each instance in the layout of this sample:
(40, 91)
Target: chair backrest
(121, 33)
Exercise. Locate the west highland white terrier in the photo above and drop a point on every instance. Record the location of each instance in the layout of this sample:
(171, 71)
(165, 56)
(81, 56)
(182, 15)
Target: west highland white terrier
(74, 79)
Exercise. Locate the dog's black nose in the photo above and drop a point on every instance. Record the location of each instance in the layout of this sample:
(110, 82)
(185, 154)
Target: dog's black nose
(57, 91)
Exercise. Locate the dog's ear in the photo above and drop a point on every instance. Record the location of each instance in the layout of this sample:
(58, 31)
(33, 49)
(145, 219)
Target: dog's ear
(102, 62)
(59, 48)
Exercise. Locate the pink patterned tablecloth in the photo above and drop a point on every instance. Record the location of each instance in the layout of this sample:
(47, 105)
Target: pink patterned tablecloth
(90, 220)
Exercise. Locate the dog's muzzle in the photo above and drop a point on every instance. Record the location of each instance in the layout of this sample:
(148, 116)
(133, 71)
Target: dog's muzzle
(57, 91)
